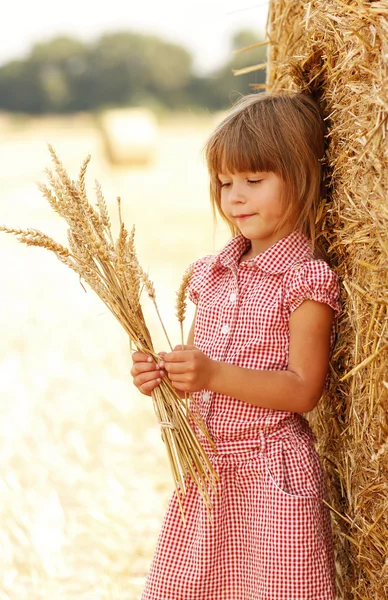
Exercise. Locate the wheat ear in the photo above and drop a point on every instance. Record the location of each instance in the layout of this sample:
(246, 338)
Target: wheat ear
(113, 271)
(181, 309)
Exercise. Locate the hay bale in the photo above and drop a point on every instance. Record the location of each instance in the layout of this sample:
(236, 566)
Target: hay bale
(130, 135)
(339, 52)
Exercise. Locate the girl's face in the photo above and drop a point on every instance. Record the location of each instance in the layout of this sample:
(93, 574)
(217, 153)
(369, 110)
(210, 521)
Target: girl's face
(252, 201)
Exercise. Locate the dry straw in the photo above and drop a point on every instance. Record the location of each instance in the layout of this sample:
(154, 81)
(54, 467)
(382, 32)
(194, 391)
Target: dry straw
(337, 50)
(113, 271)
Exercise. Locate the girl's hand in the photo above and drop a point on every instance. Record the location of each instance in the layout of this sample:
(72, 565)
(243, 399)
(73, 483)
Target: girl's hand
(146, 373)
(189, 369)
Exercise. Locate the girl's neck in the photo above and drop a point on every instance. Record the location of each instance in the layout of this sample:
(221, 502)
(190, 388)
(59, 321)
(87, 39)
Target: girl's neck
(260, 245)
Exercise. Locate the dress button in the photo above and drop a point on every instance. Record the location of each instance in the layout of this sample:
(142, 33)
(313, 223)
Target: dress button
(232, 297)
(205, 396)
(225, 329)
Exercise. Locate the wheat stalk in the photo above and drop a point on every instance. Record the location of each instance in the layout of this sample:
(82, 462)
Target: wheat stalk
(181, 308)
(113, 271)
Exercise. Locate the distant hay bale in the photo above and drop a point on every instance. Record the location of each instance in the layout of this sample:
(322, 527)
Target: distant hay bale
(338, 51)
(130, 135)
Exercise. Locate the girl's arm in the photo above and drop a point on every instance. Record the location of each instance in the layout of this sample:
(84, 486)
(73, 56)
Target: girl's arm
(296, 389)
(190, 337)
(299, 388)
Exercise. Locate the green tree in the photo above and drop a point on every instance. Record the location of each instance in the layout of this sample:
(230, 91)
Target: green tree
(60, 63)
(131, 68)
(45, 81)
(121, 69)
(20, 88)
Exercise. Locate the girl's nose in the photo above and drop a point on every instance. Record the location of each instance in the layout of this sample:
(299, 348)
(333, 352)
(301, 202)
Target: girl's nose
(236, 195)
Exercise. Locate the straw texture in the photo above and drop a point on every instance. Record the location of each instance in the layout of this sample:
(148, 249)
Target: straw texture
(338, 51)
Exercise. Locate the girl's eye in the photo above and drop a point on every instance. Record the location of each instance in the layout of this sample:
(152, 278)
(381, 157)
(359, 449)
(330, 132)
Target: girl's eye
(228, 184)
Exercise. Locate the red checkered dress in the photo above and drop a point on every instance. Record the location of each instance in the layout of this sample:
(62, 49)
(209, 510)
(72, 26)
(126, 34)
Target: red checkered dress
(270, 537)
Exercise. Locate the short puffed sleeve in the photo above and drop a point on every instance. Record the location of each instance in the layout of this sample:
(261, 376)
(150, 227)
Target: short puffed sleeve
(198, 278)
(313, 280)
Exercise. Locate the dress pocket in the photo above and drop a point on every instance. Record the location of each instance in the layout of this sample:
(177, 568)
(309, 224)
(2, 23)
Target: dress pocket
(295, 470)
(295, 548)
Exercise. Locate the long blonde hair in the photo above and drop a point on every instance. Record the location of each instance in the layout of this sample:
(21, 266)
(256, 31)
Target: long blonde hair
(280, 132)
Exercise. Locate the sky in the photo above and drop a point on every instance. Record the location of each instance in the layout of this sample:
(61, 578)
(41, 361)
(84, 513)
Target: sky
(203, 27)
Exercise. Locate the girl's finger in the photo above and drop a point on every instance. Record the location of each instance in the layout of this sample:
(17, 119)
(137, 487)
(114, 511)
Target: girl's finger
(142, 367)
(179, 385)
(147, 386)
(147, 377)
(178, 378)
(177, 367)
(141, 357)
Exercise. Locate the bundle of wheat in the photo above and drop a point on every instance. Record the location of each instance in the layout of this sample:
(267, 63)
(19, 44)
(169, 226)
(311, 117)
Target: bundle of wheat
(338, 51)
(113, 271)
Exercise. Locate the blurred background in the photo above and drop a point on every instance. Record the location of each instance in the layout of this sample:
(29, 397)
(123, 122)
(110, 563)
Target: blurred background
(84, 476)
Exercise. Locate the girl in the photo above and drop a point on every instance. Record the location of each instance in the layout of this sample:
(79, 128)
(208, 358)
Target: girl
(256, 359)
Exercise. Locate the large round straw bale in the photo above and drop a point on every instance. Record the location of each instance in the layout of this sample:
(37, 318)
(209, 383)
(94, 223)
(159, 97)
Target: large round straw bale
(338, 51)
(130, 135)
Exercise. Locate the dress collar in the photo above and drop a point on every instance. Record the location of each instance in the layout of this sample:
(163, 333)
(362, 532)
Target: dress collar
(278, 258)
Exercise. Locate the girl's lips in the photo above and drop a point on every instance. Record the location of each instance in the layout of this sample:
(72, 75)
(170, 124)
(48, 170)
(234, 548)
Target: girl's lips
(244, 217)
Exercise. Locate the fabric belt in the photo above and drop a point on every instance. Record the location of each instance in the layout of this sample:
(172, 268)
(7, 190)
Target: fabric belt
(290, 429)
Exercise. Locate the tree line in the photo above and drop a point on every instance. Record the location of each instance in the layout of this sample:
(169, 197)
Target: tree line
(66, 75)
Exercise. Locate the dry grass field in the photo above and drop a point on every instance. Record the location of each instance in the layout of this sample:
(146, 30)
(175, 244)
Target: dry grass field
(84, 477)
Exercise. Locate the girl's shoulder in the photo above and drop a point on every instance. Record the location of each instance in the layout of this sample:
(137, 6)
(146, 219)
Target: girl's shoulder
(199, 270)
(311, 279)
(202, 262)
(311, 267)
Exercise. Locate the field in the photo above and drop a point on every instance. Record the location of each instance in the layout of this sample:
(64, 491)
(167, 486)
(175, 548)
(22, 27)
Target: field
(84, 477)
